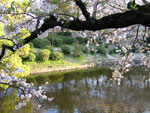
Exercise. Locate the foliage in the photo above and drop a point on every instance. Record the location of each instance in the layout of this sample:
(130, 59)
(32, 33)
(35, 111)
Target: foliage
(24, 51)
(56, 40)
(68, 40)
(106, 45)
(67, 33)
(31, 45)
(77, 50)
(49, 47)
(44, 55)
(15, 62)
(31, 57)
(80, 40)
(85, 40)
(66, 49)
(60, 33)
(33, 51)
(84, 49)
(112, 51)
(56, 56)
(8, 102)
(101, 50)
(40, 43)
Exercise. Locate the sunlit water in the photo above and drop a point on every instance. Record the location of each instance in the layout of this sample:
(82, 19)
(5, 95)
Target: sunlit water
(88, 92)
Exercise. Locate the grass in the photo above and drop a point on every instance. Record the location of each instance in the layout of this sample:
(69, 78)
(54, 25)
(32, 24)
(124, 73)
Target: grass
(49, 64)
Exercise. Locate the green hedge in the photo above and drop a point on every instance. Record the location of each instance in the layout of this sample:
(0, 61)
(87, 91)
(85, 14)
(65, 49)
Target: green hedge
(49, 47)
(40, 43)
(80, 40)
(67, 33)
(66, 49)
(68, 40)
(84, 49)
(77, 51)
(56, 56)
(56, 40)
(101, 50)
(44, 55)
(31, 57)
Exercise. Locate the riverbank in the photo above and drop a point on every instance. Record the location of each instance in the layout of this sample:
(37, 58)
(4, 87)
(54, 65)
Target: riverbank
(62, 69)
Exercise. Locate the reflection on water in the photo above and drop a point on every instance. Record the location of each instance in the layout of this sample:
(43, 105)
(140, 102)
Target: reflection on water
(94, 92)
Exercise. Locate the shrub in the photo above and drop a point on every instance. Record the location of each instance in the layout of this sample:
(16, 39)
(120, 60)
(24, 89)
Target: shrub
(40, 43)
(60, 33)
(31, 45)
(31, 57)
(80, 40)
(67, 33)
(44, 55)
(33, 51)
(58, 41)
(56, 56)
(101, 50)
(49, 47)
(84, 49)
(112, 51)
(68, 40)
(77, 51)
(85, 40)
(24, 51)
(66, 49)
(134, 49)
(106, 45)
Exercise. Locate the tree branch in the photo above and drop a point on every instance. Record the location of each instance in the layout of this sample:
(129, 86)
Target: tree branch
(118, 20)
(83, 9)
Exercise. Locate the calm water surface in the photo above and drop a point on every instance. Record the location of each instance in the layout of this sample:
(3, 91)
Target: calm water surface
(89, 91)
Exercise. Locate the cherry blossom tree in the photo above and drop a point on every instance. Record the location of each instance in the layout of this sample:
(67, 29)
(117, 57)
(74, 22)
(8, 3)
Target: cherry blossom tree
(121, 21)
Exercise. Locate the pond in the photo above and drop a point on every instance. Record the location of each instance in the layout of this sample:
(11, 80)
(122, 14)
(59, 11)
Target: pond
(89, 91)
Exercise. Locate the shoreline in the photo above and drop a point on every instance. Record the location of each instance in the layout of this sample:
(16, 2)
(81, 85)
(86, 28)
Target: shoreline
(62, 69)
(101, 63)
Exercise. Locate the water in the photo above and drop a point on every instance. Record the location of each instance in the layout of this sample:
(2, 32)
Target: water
(88, 92)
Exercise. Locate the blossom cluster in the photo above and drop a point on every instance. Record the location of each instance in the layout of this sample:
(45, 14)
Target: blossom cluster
(27, 89)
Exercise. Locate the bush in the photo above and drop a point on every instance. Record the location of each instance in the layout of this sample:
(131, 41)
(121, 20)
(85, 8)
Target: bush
(85, 40)
(31, 57)
(60, 33)
(80, 40)
(44, 55)
(33, 51)
(40, 43)
(77, 51)
(67, 33)
(56, 56)
(66, 49)
(101, 50)
(84, 49)
(106, 45)
(24, 51)
(68, 40)
(58, 41)
(31, 45)
(112, 51)
(49, 47)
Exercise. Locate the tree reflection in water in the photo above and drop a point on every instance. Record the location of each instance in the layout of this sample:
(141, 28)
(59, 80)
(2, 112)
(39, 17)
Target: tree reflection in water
(93, 92)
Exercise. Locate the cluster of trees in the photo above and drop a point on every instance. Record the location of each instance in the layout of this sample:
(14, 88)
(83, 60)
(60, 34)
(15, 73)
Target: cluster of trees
(21, 22)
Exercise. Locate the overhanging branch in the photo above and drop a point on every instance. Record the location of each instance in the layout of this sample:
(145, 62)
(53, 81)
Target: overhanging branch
(118, 20)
